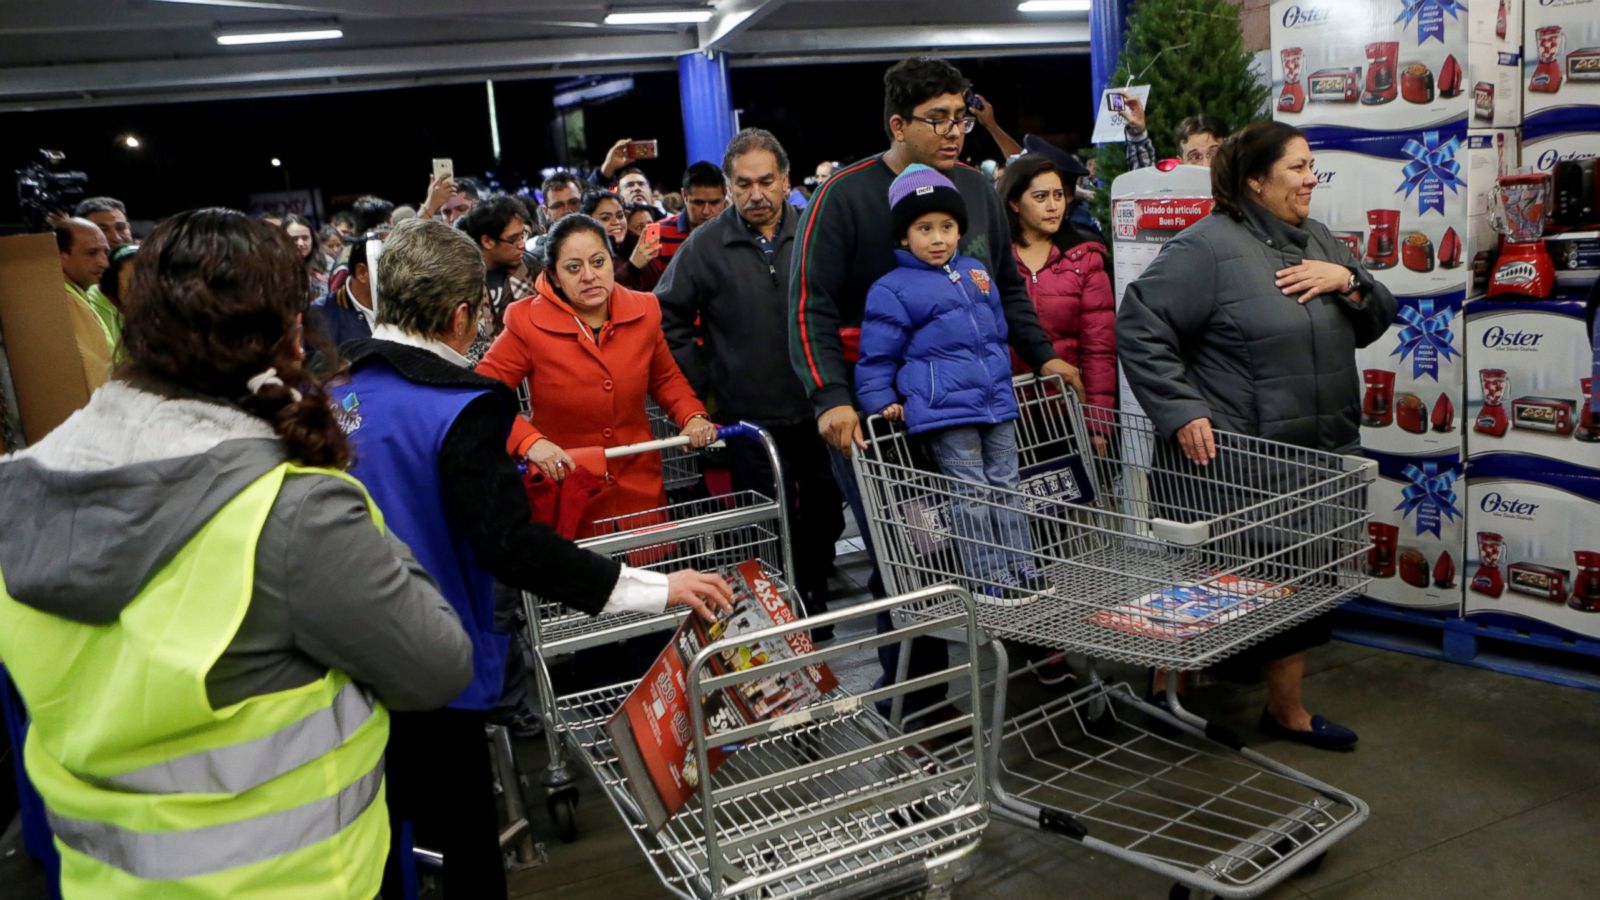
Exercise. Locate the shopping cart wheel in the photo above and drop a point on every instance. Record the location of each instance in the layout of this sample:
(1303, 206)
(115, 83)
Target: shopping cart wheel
(563, 807)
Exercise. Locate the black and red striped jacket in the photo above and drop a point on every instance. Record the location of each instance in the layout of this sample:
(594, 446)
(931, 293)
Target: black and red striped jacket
(846, 243)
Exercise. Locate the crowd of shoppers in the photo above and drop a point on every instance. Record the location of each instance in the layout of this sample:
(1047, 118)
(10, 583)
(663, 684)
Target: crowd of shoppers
(342, 469)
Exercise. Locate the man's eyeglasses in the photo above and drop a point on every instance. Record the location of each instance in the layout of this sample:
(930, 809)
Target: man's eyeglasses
(520, 238)
(564, 206)
(945, 127)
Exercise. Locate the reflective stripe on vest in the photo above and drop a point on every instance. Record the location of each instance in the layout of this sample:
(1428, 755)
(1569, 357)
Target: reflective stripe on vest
(172, 855)
(236, 769)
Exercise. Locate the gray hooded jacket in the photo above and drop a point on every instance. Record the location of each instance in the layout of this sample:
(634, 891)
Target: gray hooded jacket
(1206, 333)
(101, 504)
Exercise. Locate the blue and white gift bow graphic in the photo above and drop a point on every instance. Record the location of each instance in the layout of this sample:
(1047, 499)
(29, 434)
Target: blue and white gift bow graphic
(1432, 168)
(1429, 16)
(1426, 338)
(1430, 494)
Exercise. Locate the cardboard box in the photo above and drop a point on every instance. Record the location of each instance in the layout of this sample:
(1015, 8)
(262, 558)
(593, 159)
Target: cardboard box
(1529, 544)
(57, 350)
(1431, 191)
(1534, 356)
(1389, 65)
(1561, 63)
(1417, 530)
(1412, 380)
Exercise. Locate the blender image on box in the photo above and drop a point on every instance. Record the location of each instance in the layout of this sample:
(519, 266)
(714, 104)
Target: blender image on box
(1518, 210)
(1293, 97)
(1489, 580)
(1546, 77)
(1492, 419)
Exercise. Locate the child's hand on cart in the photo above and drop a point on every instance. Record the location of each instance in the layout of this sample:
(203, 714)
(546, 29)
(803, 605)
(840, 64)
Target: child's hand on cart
(894, 412)
(706, 593)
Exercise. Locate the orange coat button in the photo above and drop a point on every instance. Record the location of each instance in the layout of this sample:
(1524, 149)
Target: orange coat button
(607, 433)
(606, 384)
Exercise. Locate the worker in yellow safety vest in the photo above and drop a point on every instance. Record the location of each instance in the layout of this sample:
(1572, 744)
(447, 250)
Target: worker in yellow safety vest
(205, 617)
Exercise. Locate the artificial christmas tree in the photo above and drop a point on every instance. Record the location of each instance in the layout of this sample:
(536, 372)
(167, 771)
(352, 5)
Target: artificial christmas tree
(1212, 74)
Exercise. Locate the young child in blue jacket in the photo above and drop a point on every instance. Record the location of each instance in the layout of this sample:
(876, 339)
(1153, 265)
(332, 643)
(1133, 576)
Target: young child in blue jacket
(934, 353)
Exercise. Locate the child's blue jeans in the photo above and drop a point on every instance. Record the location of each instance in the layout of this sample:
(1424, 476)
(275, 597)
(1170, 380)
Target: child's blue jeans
(986, 523)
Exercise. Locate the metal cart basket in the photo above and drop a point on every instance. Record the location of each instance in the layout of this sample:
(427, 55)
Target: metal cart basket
(826, 800)
(1117, 547)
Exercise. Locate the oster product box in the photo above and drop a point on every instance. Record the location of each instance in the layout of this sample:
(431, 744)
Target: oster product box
(1387, 65)
(1404, 202)
(1561, 64)
(1411, 379)
(1529, 380)
(1533, 549)
(1415, 556)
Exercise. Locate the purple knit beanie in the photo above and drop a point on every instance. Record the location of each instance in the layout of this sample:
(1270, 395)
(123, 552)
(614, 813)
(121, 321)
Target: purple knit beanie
(919, 190)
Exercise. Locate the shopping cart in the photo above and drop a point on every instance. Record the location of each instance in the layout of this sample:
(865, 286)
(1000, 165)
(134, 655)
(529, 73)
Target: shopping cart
(825, 800)
(680, 463)
(1130, 553)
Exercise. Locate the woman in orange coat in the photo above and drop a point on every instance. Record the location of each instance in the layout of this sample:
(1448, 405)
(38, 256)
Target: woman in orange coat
(591, 350)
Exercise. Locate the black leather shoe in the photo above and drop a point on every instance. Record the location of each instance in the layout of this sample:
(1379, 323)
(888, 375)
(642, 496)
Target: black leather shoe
(1324, 735)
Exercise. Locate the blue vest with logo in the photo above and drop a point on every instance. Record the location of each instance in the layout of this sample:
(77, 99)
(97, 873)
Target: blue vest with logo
(398, 428)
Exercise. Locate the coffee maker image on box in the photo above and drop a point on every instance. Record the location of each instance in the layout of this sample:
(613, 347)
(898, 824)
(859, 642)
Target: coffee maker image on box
(1383, 65)
(1383, 238)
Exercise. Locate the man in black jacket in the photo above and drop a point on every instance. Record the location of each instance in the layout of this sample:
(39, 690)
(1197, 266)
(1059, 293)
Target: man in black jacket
(847, 242)
(732, 278)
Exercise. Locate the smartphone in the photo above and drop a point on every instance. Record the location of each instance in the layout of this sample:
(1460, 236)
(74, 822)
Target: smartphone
(1116, 102)
(651, 232)
(641, 150)
(444, 168)
(974, 101)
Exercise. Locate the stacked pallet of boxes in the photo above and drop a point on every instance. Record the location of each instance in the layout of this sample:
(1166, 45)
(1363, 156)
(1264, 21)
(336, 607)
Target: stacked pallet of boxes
(1533, 443)
(1411, 109)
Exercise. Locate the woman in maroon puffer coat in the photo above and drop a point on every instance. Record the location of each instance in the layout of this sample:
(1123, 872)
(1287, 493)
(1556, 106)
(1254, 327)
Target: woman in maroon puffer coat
(1065, 270)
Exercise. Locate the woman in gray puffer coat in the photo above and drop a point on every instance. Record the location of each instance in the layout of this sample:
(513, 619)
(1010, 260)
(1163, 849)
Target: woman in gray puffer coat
(1248, 322)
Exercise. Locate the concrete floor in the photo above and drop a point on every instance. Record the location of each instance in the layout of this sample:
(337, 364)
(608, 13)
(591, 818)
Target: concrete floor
(1481, 785)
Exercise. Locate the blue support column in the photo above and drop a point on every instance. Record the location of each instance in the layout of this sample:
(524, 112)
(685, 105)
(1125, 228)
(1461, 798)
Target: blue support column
(707, 107)
(1108, 26)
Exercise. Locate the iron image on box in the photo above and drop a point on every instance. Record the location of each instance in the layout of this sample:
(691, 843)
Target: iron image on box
(1417, 530)
(1412, 379)
(1532, 547)
(1386, 65)
(1529, 385)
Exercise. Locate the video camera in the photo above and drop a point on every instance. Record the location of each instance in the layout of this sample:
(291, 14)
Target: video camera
(44, 189)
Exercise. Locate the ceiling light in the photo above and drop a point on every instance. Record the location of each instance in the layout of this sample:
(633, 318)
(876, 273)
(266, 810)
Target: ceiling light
(276, 162)
(693, 16)
(1054, 6)
(130, 141)
(239, 38)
